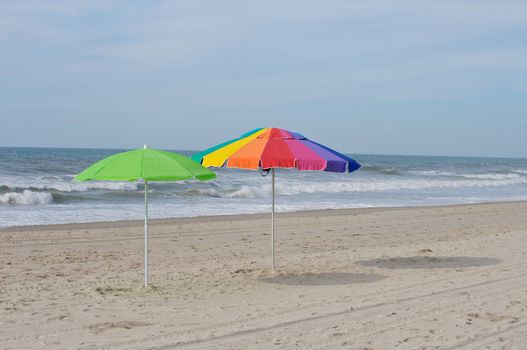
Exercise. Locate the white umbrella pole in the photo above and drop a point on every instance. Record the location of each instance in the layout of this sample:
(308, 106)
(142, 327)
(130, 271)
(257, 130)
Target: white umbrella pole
(146, 233)
(272, 223)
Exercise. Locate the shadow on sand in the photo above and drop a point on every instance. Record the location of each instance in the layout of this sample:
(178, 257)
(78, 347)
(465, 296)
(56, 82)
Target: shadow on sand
(429, 262)
(323, 279)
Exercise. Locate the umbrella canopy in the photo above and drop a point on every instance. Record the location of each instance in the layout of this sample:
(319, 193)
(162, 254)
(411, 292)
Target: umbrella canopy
(145, 164)
(270, 148)
(148, 165)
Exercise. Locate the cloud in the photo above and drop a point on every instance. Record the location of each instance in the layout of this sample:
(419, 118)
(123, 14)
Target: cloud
(120, 60)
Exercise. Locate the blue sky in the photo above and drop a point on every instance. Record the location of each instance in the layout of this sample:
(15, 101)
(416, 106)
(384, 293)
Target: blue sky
(390, 77)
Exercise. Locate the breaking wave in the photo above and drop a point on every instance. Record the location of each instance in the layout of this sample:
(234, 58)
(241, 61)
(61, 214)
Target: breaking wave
(26, 197)
(380, 169)
(72, 186)
(487, 176)
(289, 188)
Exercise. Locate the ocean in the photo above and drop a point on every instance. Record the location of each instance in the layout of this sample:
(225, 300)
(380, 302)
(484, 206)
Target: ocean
(37, 187)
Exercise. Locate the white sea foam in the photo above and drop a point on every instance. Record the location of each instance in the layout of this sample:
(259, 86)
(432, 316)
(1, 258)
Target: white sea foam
(86, 186)
(27, 198)
(491, 176)
(291, 188)
(431, 173)
(488, 176)
(63, 186)
(392, 185)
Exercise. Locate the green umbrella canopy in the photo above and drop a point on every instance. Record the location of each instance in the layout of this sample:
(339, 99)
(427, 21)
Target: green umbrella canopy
(146, 164)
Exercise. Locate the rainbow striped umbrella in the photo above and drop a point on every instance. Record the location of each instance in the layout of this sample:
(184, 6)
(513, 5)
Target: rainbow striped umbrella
(271, 148)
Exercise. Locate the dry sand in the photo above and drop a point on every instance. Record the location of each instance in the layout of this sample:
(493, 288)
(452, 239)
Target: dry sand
(451, 277)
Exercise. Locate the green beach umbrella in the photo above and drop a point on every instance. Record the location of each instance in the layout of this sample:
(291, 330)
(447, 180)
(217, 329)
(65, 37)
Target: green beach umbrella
(148, 165)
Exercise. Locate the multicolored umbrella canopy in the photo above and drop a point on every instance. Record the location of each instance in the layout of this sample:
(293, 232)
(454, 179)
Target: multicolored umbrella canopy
(148, 165)
(269, 148)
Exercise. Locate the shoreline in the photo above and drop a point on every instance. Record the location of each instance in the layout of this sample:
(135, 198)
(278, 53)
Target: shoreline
(229, 217)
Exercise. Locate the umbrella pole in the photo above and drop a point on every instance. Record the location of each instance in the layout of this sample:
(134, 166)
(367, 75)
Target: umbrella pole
(272, 224)
(146, 233)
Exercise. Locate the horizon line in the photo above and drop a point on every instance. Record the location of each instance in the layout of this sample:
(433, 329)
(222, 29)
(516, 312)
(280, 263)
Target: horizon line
(347, 153)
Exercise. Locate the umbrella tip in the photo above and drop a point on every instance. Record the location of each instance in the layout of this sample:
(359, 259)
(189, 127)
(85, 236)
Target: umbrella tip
(145, 147)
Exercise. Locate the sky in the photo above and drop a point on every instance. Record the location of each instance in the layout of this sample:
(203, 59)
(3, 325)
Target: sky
(364, 77)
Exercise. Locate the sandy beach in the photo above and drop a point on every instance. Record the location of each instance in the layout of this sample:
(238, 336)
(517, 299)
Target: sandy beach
(449, 277)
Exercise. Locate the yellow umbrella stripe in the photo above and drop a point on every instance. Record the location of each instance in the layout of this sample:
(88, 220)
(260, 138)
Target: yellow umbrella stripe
(218, 157)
